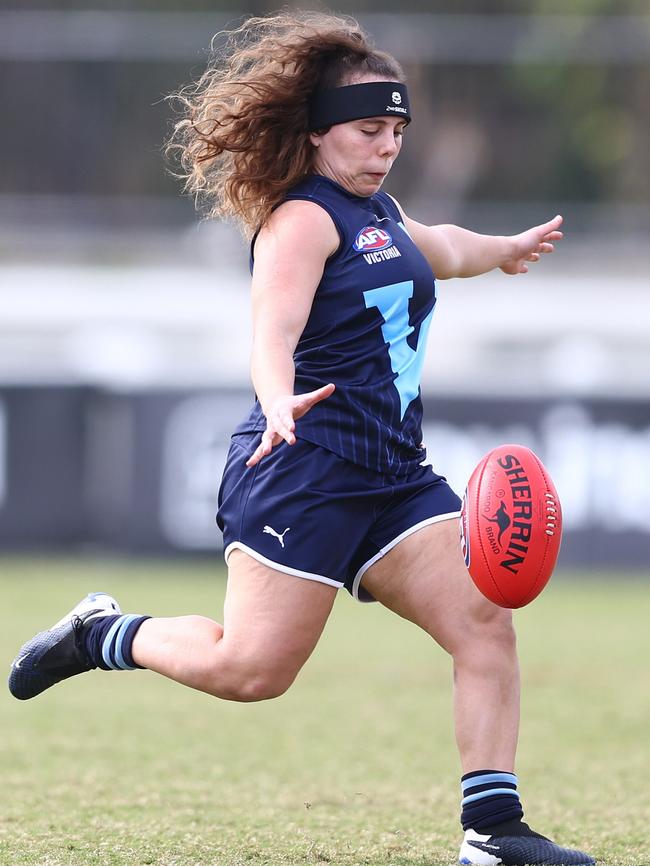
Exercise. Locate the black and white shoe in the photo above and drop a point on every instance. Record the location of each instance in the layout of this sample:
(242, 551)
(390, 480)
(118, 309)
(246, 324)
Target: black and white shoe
(530, 849)
(57, 653)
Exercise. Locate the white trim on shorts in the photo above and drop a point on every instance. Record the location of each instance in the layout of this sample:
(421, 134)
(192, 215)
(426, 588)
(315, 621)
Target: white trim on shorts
(364, 568)
(319, 578)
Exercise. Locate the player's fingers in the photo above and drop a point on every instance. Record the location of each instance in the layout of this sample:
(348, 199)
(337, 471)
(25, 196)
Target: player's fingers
(546, 232)
(533, 257)
(288, 436)
(308, 400)
(269, 437)
(265, 447)
(551, 225)
(255, 457)
(285, 426)
(321, 393)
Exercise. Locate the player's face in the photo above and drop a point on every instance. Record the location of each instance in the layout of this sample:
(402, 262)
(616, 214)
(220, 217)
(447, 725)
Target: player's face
(359, 154)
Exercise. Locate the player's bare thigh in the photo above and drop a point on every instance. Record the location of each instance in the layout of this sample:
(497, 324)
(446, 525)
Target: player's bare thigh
(272, 620)
(424, 579)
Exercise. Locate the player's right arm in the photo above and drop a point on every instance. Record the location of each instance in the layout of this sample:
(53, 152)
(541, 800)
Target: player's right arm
(290, 254)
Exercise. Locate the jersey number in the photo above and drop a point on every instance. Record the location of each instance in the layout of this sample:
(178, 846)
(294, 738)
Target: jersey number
(393, 304)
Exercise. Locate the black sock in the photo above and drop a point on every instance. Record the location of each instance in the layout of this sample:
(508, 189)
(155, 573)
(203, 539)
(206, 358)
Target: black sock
(108, 641)
(513, 827)
(490, 799)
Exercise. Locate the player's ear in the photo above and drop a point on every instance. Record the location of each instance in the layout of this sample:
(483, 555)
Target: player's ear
(315, 137)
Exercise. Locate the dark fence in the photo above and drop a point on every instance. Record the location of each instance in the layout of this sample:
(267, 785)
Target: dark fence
(139, 472)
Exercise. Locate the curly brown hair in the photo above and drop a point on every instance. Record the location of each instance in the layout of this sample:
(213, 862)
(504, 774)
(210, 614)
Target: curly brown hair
(242, 140)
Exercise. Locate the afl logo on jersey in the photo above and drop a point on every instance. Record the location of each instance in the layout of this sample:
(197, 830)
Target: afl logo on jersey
(371, 239)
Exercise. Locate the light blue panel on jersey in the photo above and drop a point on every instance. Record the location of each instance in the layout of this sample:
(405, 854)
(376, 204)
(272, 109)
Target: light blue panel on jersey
(393, 303)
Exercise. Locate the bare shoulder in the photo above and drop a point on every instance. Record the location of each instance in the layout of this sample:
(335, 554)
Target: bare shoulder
(300, 227)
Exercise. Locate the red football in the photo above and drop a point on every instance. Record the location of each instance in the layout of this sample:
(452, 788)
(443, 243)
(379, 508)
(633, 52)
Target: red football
(511, 526)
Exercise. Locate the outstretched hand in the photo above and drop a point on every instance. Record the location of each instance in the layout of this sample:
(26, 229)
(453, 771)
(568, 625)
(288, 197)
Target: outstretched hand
(531, 244)
(281, 418)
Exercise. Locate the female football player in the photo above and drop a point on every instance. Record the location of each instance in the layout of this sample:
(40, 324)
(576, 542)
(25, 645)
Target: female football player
(292, 131)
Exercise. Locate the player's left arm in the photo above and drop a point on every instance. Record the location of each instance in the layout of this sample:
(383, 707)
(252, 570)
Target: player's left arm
(456, 252)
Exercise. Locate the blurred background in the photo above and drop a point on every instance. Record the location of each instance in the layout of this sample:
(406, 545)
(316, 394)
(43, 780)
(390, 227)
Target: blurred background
(124, 332)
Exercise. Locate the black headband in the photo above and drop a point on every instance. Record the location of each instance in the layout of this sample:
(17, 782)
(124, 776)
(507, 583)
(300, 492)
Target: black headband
(357, 101)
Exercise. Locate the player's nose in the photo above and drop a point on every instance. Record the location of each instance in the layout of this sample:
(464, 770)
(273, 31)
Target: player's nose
(388, 143)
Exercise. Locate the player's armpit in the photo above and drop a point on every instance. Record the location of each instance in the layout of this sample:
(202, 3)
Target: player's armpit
(433, 244)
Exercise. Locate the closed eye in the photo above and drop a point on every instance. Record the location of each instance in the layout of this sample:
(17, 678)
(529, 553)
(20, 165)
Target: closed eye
(398, 132)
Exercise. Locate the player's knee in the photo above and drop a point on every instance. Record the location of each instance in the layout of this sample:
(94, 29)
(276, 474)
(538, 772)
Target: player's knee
(488, 630)
(247, 681)
(257, 686)
(501, 632)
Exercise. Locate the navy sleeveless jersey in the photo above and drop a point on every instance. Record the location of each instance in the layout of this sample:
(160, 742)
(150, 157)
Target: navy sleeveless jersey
(366, 333)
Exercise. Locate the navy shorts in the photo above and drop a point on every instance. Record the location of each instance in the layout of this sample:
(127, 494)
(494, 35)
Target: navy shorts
(306, 511)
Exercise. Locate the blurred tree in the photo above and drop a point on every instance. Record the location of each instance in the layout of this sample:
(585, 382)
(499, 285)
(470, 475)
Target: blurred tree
(479, 7)
(511, 131)
(596, 130)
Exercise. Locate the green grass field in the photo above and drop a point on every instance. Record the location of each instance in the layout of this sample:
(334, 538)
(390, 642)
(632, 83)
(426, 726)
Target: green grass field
(355, 765)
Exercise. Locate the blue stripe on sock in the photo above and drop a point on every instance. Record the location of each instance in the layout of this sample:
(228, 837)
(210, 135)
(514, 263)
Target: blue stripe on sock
(489, 793)
(490, 797)
(108, 643)
(124, 625)
(488, 779)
